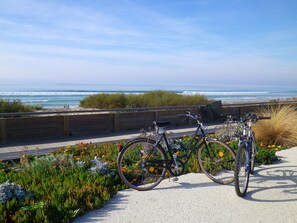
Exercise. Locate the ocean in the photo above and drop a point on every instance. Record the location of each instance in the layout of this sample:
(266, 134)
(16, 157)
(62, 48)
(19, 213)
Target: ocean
(69, 95)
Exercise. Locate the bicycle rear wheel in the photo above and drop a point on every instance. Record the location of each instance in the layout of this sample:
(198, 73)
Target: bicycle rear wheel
(242, 171)
(217, 161)
(136, 164)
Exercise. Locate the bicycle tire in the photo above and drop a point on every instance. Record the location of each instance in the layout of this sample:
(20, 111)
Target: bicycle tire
(252, 162)
(217, 161)
(242, 171)
(253, 154)
(132, 164)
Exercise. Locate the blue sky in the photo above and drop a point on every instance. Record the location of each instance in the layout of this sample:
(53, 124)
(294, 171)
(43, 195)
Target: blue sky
(154, 42)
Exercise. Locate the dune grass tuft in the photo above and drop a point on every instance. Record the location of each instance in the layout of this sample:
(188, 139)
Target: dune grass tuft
(148, 99)
(16, 106)
(281, 129)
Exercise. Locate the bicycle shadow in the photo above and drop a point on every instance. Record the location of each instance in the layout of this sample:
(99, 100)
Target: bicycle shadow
(184, 185)
(273, 184)
(181, 184)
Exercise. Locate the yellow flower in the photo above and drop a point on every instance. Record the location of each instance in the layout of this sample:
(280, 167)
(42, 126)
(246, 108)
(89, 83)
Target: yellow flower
(221, 154)
(77, 158)
(279, 147)
(273, 146)
(151, 169)
(269, 146)
(261, 144)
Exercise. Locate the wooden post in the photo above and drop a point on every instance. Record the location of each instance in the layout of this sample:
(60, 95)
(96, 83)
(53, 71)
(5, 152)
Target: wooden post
(116, 122)
(156, 115)
(3, 130)
(66, 130)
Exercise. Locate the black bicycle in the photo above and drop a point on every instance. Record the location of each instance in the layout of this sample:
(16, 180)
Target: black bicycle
(245, 155)
(145, 161)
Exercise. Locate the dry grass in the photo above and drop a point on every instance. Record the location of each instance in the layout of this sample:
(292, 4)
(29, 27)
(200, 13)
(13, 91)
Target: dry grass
(148, 99)
(281, 129)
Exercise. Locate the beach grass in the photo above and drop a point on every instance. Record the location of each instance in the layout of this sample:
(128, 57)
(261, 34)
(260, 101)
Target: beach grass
(148, 99)
(281, 129)
(16, 106)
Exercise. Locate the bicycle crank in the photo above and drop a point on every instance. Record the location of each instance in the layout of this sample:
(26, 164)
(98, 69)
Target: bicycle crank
(176, 167)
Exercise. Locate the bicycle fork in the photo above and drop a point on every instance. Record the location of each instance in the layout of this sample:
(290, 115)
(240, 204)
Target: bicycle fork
(248, 148)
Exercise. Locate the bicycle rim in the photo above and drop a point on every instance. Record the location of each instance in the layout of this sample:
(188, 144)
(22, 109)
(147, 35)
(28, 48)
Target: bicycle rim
(217, 161)
(242, 171)
(133, 165)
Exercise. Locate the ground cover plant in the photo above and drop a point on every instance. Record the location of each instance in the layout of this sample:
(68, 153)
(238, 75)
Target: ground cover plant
(72, 180)
(16, 106)
(62, 185)
(266, 153)
(148, 99)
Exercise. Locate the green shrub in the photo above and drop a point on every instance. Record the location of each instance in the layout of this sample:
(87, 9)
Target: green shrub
(148, 99)
(266, 156)
(61, 188)
(16, 106)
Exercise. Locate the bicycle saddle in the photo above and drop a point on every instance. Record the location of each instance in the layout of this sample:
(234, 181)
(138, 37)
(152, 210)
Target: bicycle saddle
(161, 124)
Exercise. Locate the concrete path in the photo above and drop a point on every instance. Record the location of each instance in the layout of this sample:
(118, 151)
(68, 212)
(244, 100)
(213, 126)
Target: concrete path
(16, 149)
(271, 197)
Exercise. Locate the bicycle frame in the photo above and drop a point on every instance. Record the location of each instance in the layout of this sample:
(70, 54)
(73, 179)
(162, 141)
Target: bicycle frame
(248, 138)
(194, 143)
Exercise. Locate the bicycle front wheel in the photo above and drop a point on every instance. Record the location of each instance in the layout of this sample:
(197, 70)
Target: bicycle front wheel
(217, 161)
(140, 164)
(253, 154)
(242, 171)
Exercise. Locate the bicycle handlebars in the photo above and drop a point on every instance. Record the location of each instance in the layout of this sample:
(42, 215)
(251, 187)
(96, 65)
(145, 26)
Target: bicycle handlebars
(248, 117)
(190, 115)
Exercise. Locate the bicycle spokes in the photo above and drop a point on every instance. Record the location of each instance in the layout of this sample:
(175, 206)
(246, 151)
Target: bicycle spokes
(217, 161)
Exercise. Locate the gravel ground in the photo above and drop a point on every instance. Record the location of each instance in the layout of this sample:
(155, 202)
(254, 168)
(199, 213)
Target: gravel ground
(271, 197)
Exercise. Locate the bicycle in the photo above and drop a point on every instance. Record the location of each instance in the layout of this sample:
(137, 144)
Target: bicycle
(143, 162)
(245, 155)
(229, 130)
